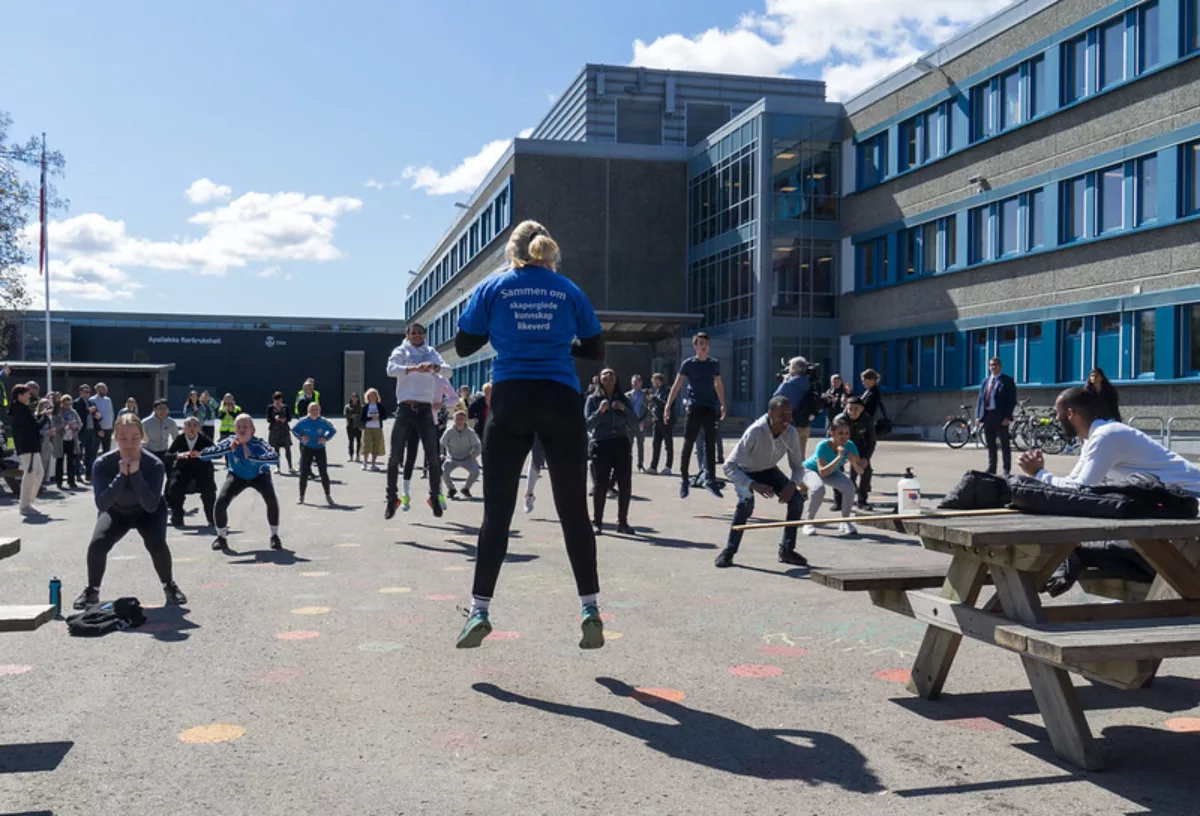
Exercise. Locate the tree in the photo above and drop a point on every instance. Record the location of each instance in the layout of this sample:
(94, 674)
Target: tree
(18, 209)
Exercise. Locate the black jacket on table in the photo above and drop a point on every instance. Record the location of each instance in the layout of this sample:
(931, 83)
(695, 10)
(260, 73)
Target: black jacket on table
(190, 468)
(138, 492)
(26, 430)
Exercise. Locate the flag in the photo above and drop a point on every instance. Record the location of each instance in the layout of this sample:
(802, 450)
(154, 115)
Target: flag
(42, 219)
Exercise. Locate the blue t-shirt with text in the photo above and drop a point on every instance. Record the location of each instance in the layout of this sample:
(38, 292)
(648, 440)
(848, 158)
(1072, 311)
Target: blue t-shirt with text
(701, 382)
(827, 453)
(531, 315)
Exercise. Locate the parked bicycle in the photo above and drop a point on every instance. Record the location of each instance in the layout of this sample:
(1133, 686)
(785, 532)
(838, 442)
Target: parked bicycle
(961, 429)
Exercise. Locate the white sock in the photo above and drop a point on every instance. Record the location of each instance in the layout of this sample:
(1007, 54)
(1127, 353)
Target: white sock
(274, 529)
(479, 604)
(223, 532)
(407, 485)
(587, 600)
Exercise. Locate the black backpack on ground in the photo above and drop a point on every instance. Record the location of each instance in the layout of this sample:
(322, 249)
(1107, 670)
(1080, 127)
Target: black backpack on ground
(102, 618)
(977, 490)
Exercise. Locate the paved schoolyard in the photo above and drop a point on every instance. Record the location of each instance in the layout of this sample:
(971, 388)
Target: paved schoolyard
(323, 680)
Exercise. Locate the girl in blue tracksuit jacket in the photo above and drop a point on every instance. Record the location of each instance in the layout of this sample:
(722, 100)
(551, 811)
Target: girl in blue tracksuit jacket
(249, 460)
(313, 432)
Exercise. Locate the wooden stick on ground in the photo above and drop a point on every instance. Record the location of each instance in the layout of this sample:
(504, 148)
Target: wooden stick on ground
(774, 525)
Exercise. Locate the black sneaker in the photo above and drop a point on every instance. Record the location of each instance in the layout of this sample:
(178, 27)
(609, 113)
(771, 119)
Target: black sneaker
(466, 494)
(866, 507)
(276, 543)
(641, 469)
(724, 558)
(177, 522)
(220, 543)
(390, 510)
(625, 529)
(301, 499)
(792, 557)
(715, 489)
(684, 489)
(452, 492)
(329, 500)
(87, 598)
(612, 493)
(174, 596)
(598, 526)
(435, 504)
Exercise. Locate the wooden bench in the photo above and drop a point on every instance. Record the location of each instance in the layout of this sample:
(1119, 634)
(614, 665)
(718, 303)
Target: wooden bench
(9, 547)
(21, 618)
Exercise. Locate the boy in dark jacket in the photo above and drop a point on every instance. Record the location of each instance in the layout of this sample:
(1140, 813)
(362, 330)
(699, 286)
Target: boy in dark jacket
(862, 434)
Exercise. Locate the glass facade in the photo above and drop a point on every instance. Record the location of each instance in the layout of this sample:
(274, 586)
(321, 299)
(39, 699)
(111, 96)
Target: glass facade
(724, 196)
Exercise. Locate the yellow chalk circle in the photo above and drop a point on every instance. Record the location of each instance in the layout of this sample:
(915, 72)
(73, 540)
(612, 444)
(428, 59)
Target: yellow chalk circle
(347, 544)
(311, 610)
(395, 590)
(218, 732)
(314, 574)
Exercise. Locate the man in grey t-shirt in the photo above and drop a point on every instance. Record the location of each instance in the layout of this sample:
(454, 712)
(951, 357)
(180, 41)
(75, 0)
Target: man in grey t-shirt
(105, 407)
(706, 407)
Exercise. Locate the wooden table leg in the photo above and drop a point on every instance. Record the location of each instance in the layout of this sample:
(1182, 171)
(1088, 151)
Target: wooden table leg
(1161, 590)
(1052, 688)
(963, 582)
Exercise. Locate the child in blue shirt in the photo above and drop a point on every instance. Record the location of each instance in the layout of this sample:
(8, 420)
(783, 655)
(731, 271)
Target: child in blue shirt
(249, 461)
(824, 469)
(313, 432)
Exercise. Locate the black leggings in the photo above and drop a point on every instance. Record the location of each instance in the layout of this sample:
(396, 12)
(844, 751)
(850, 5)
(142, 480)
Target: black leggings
(111, 527)
(698, 418)
(236, 484)
(553, 411)
(410, 455)
(612, 463)
(307, 457)
(414, 420)
(354, 440)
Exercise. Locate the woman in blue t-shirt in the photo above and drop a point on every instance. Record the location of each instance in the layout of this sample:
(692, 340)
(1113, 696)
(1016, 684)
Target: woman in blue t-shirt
(537, 321)
(824, 469)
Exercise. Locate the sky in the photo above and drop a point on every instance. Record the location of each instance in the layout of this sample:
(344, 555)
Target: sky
(297, 158)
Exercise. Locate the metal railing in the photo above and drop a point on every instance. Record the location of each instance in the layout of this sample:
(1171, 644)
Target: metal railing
(1172, 433)
(1164, 434)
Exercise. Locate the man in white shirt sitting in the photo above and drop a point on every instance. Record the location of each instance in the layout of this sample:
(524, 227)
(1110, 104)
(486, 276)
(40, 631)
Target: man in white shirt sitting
(1111, 451)
(752, 469)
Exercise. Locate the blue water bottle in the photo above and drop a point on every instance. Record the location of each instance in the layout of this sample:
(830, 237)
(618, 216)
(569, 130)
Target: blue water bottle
(56, 596)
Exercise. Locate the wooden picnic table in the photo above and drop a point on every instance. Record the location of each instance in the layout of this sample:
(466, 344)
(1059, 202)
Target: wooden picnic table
(24, 617)
(1118, 644)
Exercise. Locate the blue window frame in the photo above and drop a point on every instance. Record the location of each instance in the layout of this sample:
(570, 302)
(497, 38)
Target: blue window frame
(1191, 178)
(928, 372)
(1009, 212)
(872, 160)
(872, 263)
(1074, 212)
(1108, 344)
(1040, 92)
(1144, 342)
(929, 248)
(1071, 367)
(908, 363)
(1191, 26)
(1146, 190)
(1006, 347)
(1011, 107)
(949, 227)
(1035, 213)
(952, 361)
(1191, 345)
(980, 118)
(1149, 54)
(1110, 199)
(909, 155)
(1112, 52)
(1075, 69)
(979, 355)
(1031, 370)
(977, 236)
(910, 252)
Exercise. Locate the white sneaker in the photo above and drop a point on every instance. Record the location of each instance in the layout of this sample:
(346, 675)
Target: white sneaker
(665, 471)
(529, 500)
(364, 465)
(808, 530)
(846, 528)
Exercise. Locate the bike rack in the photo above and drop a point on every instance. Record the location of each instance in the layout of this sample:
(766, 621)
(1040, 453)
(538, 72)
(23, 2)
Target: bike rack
(1171, 432)
(1164, 433)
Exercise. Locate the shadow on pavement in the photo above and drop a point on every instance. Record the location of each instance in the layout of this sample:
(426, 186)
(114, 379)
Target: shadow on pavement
(651, 534)
(280, 558)
(790, 572)
(469, 550)
(720, 743)
(33, 757)
(168, 624)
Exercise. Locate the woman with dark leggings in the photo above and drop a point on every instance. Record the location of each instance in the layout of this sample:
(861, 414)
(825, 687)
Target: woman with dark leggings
(128, 486)
(609, 419)
(537, 321)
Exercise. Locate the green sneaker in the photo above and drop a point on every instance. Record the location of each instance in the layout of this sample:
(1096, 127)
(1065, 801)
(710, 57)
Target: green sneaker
(405, 503)
(442, 500)
(592, 628)
(475, 630)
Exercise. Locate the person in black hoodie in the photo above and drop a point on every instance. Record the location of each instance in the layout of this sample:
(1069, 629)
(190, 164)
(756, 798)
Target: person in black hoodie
(27, 439)
(190, 472)
(128, 485)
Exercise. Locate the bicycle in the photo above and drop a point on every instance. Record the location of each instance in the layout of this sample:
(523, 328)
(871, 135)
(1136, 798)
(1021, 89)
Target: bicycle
(1047, 435)
(1018, 429)
(959, 430)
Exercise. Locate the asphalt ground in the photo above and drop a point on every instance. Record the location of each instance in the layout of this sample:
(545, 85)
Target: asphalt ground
(323, 679)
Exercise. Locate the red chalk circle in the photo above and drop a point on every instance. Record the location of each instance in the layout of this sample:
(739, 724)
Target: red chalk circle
(976, 724)
(497, 634)
(607, 617)
(895, 675)
(13, 669)
(755, 670)
(279, 676)
(298, 634)
(440, 597)
(658, 695)
(1184, 725)
(783, 651)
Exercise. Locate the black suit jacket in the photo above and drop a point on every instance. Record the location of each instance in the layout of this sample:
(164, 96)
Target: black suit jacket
(1005, 397)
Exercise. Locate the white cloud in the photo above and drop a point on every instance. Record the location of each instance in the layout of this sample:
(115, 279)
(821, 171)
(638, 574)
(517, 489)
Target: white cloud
(270, 272)
(856, 42)
(464, 178)
(406, 217)
(373, 184)
(204, 191)
(80, 279)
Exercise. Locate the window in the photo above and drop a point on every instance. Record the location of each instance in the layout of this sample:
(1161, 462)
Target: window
(909, 156)
(872, 263)
(1145, 343)
(1147, 189)
(929, 246)
(1191, 26)
(1072, 350)
(872, 157)
(1010, 99)
(935, 141)
(980, 124)
(1112, 52)
(1010, 217)
(908, 377)
(804, 280)
(977, 239)
(722, 197)
(1074, 221)
(1035, 205)
(639, 121)
(1191, 180)
(950, 232)
(1108, 344)
(804, 179)
(721, 286)
(927, 373)
(1039, 89)
(1149, 53)
(910, 252)
(1075, 69)
(1032, 370)
(1111, 199)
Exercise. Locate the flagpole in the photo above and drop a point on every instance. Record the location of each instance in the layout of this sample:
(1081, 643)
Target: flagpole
(44, 262)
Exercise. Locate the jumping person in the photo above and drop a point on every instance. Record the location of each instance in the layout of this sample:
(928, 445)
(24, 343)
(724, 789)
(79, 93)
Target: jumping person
(412, 450)
(416, 367)
(128, 485)
(753, 468)
(706, 407)
(314, 431)
(373, 417)
(610, 418)
(825, 470)
(537, 321)
(353, 414)
(249, 461)
(461, 445)
(190, 473)
(279, 434)
(228, 412)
